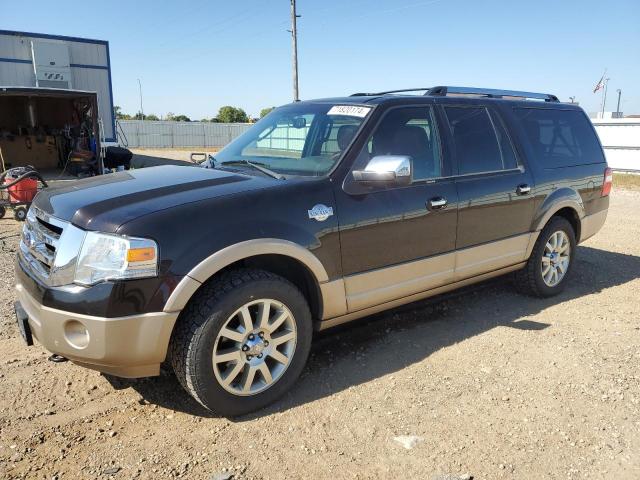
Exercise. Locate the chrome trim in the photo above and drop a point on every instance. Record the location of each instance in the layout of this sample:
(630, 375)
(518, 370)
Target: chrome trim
(50, 255)
(438, 202)
(385, 168)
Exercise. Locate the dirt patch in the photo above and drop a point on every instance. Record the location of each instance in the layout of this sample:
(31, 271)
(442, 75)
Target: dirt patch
(486, 383)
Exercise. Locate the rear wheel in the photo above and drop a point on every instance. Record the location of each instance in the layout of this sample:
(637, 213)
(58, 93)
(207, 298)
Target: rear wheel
(550, 262)
(242, 341)
(3, 211)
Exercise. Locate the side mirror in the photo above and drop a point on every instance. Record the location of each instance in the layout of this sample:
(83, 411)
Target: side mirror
(396, 169)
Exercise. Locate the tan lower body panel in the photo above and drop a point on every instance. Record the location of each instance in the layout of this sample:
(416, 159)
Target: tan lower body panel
(132, 346)
(384, 285)
(591, 224)
(490, 256)
(415, 297)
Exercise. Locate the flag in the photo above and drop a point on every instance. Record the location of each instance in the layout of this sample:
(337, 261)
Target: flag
(600, 84)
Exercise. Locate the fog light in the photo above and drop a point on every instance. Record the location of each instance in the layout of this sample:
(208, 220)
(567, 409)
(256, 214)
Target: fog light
(76, 334)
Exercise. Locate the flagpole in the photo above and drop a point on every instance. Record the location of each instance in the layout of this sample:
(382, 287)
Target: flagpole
(604, 96)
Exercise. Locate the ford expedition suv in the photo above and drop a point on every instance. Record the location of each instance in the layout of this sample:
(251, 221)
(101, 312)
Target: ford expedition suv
(323, 212)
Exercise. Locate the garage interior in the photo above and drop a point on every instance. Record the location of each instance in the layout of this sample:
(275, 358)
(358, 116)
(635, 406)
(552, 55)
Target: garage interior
(54, 132)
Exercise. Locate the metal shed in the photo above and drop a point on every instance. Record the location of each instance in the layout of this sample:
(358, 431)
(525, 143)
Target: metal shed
(54, 61)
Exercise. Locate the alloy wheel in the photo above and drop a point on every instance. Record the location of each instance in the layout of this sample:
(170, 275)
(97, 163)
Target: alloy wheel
(556, 258)
(254, 347)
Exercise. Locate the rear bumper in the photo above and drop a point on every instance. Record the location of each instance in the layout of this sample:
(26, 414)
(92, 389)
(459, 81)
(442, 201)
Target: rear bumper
(131, 346)
(591, 224)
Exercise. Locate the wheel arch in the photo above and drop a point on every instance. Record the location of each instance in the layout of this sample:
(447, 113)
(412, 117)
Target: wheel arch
(282, 257)
(564, 202)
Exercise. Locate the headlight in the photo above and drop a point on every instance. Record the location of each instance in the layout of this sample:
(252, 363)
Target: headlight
(112, 257)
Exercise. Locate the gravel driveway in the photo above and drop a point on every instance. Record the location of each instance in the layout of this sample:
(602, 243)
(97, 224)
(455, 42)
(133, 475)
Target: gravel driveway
(484, 384)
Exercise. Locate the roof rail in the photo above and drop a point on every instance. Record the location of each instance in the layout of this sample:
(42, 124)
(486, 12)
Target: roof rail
(490, 92)
(362, 94)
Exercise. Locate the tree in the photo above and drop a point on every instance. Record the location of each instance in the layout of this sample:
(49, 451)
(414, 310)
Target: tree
(172, 117)
(265, 111)
(151, 116)
(117, 111)
(228, 114)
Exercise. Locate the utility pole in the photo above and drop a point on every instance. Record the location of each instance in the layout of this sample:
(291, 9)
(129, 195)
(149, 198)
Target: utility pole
(141, 109)
(618, 108)
(604, 95)
(294, 46)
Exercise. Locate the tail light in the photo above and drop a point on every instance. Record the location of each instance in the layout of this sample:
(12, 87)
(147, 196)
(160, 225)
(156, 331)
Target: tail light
(608, 181)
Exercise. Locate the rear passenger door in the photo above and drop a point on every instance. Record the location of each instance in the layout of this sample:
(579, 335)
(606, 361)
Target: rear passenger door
(495, 200)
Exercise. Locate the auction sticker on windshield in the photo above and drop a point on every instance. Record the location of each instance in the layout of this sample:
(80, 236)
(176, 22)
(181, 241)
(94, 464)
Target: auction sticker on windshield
(349, 110)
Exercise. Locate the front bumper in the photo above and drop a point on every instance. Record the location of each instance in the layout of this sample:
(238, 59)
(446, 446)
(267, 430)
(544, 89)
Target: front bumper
(131, 346)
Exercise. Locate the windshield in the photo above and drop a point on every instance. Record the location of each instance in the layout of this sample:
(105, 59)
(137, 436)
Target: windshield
(300, 139)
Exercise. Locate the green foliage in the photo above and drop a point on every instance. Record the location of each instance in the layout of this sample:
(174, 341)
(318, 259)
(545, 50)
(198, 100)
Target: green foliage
(265, 111)
(228, 114)
(117, 111)
(151, 117)
(172, 117)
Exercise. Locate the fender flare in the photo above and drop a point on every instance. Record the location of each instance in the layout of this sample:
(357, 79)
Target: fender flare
(233, 253)
(559, 199)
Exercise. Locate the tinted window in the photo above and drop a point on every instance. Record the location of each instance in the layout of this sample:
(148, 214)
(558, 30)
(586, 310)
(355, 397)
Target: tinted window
(560, 138)
(407, 131)
(504, 142)
(481, 142)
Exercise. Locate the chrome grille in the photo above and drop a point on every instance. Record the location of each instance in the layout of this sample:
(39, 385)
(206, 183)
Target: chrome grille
(49, 247)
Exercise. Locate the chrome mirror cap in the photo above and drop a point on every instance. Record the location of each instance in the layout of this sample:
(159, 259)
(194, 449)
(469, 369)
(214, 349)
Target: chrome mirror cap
(386, 168)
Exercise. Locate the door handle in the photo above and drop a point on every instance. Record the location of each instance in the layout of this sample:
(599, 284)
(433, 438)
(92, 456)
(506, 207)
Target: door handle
(523, 189)
(437, 203)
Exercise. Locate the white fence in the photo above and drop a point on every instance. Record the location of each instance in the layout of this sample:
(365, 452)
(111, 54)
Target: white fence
(620, 138)
(164, 134)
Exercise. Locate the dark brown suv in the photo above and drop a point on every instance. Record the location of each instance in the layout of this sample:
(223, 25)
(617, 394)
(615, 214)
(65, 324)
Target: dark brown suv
(323, 212)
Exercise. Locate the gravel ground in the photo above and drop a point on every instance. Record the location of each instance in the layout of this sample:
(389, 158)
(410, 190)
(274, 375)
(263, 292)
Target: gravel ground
(485, 384)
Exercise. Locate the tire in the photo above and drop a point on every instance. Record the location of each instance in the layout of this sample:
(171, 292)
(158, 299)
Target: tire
(530, 280)
(20, 214)
(3, 211)
(199, 335)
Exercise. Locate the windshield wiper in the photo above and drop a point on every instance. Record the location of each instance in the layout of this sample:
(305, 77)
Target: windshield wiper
(257, 166)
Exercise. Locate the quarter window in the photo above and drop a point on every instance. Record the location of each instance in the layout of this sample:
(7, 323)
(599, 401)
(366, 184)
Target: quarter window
(560, 138)
(481, 141)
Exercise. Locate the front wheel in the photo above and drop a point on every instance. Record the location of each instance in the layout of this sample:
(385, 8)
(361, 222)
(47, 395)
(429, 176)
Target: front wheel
(550, 262)
(242, 341)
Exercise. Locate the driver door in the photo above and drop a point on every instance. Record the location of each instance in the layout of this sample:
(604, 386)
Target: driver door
(399, 240)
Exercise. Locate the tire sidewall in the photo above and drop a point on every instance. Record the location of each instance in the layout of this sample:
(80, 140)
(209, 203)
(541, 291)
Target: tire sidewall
(209, 391)
(555, 225)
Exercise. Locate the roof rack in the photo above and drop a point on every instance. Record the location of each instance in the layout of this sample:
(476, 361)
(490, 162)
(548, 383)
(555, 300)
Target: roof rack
(490, 92)
(362, 94)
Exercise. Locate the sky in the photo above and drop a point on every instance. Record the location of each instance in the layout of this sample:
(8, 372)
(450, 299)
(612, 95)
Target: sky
(194, 56)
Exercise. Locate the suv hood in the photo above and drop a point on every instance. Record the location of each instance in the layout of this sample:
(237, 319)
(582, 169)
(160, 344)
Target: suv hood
(106, 202)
